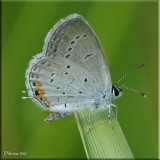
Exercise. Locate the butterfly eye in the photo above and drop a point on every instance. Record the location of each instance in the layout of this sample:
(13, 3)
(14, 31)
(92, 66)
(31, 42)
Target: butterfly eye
(115, 90)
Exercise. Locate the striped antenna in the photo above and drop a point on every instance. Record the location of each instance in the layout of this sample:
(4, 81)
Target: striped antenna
(142, 65)
(141, 93)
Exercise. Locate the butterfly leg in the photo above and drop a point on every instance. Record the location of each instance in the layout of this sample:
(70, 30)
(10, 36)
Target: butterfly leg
(109, 116)
(116, 110)
(90, 119)
(110, 110)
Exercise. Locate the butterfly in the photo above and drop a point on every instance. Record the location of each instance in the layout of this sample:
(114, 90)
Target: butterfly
(72, 73)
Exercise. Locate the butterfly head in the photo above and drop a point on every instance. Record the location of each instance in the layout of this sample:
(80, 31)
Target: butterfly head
(116, 91)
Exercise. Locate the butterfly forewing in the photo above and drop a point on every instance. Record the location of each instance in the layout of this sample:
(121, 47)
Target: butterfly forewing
(74, 40)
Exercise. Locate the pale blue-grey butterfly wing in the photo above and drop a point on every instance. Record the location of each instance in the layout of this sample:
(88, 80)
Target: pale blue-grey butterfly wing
(73, 39)
(72, 67)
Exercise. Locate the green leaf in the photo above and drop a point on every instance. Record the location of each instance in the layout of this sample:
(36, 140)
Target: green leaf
(102, 141)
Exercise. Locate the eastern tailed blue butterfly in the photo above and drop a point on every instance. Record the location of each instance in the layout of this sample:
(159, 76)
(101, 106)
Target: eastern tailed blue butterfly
(72, 72)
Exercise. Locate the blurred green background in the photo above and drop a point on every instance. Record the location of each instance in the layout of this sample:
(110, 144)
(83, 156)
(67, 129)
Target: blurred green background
(128, 32)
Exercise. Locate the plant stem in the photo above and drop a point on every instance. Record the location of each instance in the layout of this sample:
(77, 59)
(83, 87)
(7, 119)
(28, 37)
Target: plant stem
(102, 141)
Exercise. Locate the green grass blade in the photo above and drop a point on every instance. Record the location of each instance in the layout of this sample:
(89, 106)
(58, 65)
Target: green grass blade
(102, 141)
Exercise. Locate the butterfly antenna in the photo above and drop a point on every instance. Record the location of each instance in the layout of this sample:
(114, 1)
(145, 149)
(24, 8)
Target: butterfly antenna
(142, 65)
(141, 93)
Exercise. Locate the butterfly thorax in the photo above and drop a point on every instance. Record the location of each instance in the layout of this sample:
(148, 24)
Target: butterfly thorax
(102, 99)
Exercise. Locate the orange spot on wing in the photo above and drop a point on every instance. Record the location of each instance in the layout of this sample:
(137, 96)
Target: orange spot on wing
(39, 84)
(41, 93)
